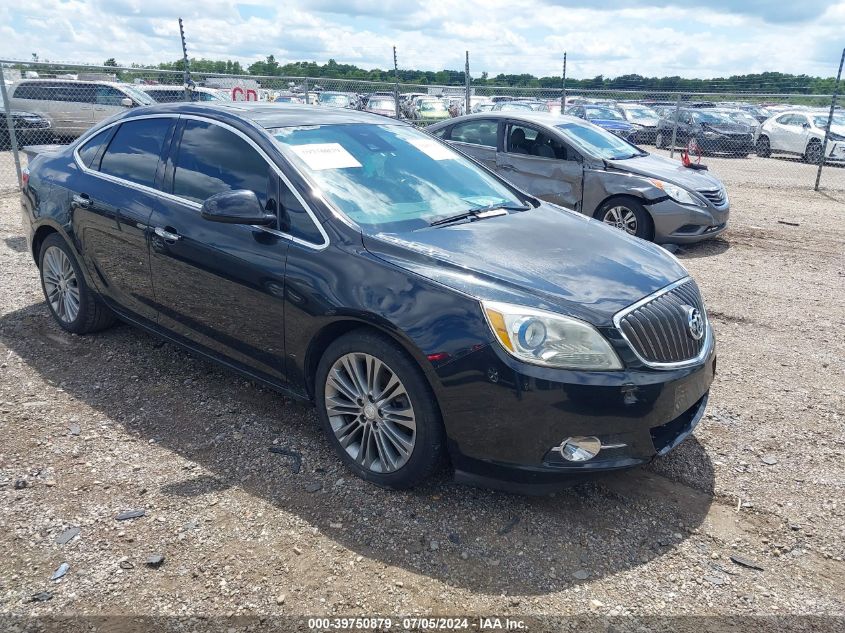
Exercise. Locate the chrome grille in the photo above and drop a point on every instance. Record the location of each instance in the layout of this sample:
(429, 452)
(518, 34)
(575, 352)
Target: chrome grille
(657, 329)
(715, 196)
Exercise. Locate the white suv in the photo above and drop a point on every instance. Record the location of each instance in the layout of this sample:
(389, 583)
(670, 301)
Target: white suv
(801, 132)
(73, 106)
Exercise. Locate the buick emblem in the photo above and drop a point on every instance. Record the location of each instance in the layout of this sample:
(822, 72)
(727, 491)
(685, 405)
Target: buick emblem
(695, 322)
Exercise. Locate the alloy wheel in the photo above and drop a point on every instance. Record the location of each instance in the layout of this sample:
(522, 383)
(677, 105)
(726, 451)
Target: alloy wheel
(60, 284)
(621, 218)
(370, 412)
(814, 153)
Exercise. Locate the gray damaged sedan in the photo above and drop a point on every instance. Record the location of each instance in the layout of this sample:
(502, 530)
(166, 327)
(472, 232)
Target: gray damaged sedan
(573, 163)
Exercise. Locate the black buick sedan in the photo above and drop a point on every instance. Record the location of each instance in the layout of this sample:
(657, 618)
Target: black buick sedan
(430, 311)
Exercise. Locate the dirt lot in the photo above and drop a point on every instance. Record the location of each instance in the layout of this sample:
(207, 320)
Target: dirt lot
(119, 421)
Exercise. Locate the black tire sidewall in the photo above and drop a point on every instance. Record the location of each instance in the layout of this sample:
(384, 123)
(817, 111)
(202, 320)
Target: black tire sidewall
(645, 224)
(763, 152)
(429, 443)
(77, 326)
(813, 146)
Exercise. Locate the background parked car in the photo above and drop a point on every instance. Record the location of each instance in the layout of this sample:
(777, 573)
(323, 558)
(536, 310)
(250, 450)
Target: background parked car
(576, 164)
(428, 110)
(645, 117)
(337, 99)
(515, 106)
(381, 105)
(173, 94)
(73, 106)
(606, 117)
(802, 133)
(30, 128)
(705, 131)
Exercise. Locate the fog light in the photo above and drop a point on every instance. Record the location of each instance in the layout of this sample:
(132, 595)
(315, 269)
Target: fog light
(579, 449)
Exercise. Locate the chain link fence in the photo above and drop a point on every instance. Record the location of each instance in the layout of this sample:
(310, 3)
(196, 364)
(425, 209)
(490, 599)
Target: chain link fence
(765, 138)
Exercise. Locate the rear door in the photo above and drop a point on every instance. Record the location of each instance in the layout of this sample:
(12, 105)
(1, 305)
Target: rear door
(112, 204)
(75, 104)
(779, 132)
(220, 286)
(478, 138)
(539, 163)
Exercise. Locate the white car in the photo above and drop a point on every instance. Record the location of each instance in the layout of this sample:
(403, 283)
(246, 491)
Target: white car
(172, 94)
(801, 133)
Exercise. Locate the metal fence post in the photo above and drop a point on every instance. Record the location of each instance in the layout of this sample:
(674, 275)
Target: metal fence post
(395, 82)
(305, 83)
(675, 126)
(186, 64)
(829, 120)
(468, 104)
(563, 87)
(10, 125)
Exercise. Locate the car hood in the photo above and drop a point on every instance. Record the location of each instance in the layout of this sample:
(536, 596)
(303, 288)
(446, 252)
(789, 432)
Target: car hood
(610, 124)
(546, 257)
(653, 166)
(727, 128)
(646, 122)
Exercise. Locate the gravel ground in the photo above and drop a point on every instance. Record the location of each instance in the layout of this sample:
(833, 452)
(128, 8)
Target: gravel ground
(96, 426)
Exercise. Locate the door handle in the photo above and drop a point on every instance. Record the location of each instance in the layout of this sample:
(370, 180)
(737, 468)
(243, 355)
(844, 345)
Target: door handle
(508, 167)
(166, 235)
(82, 200)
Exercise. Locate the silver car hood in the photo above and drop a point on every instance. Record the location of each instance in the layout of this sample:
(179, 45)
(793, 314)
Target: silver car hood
(652, 166)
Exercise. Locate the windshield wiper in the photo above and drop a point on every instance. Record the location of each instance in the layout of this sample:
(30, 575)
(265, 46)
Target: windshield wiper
(481, 212)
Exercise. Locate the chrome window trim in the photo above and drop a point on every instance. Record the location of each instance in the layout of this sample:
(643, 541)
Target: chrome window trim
(191, 203)
(706, 348)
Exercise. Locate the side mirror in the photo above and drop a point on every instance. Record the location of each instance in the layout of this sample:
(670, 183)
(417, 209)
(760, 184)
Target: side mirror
(126, 102)
(805, 125)
(236, 207)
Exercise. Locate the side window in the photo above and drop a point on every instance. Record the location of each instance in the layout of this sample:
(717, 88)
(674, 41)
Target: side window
(108, 95)
(299, 222)
(784, 119)
(26, 91)
(135, 150)
(801, 120)
(88, 152)
(212, 159)
(476, 132)
(441, 133)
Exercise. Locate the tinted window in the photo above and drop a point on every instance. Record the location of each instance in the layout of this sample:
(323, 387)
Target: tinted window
(92, 147)
(300, 223)
(106, 95)
(476, 132)
(212, 159)
(71, 93)
(167, 96)
(29, 91)
(135, 150)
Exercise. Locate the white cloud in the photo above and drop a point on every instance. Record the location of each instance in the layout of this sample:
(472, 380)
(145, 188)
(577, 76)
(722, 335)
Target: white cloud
(647, 37)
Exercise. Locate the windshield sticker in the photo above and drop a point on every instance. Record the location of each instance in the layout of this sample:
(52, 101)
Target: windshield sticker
(319, 156)
(432, 148)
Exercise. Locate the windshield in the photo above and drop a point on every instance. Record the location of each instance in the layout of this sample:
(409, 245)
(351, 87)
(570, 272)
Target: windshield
(381, 104)
(593, 140)
(820, 120)
(640, 113)
(389, 177)
(742, 117)
(604, 113)
(712, 117)
(138, 95)
(335, 100)
(514, 105)
(432, 106)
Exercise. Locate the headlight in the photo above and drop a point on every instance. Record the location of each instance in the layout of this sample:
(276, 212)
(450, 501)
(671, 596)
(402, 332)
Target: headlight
(678, 194)
(552, 340)
(711, 134)
(833, 136)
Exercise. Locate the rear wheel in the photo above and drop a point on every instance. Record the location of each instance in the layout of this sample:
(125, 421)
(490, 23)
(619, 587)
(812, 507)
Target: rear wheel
(627, 215)
(378, 410)
(813, 152)
(74, 306)
(764, 148)
(659, 141)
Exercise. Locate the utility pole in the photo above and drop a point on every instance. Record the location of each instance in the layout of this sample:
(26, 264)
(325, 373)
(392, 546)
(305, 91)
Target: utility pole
(467, 105)
(829, 120)
(563, 87)
(396, 82)
(186, 64)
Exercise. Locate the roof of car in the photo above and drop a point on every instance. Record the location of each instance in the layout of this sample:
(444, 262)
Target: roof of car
(270, 115)
(529, 116)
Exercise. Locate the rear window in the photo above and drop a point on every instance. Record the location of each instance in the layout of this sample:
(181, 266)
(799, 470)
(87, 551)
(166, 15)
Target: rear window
(90, 150)
(135, 150)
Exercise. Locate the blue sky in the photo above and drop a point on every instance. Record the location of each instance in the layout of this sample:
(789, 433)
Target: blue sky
(648, 37)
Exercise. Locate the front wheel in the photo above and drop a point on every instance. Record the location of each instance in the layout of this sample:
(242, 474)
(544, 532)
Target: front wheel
(813, 152)
(764, 148)
(378, 411)
(627, 215)
(658, 141)
(72, 303)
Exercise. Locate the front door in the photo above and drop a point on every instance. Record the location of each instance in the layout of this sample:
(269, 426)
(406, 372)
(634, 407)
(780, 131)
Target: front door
(220, 286)
(541, 165)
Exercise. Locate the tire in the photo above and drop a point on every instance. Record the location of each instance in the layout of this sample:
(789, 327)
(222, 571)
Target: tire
(72, 303)
(764, 148)
(617, 212)
(348, 413)
(813, 152)
(658, 141)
